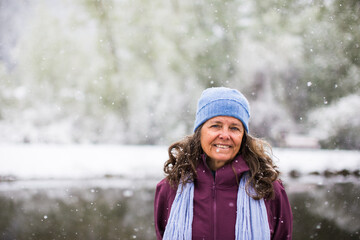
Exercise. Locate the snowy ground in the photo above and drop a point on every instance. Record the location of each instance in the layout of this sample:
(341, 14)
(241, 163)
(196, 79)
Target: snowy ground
(109, 163)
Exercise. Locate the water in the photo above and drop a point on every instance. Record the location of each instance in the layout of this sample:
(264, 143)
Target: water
(326, 211)
(89, 212)
(117, 208)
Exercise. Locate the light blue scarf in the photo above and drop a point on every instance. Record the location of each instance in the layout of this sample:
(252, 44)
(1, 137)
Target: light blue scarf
(251, 218)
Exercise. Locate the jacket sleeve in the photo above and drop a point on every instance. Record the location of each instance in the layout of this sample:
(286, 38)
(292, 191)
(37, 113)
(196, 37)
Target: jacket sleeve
(162, 206)
(279, 214)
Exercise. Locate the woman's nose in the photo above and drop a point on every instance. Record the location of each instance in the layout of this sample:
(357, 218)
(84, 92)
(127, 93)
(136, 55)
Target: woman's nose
(224, 134)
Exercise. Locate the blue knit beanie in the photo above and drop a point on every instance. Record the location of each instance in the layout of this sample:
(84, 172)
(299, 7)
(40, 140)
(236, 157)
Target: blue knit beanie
(221, 101)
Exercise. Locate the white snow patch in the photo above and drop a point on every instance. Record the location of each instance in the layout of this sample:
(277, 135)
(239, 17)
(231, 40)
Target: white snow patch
(80, 161)
(310, 160)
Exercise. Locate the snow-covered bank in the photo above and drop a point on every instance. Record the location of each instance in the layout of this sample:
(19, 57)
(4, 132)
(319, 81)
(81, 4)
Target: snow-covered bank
(80, 161)
(311, 160)
(97, 161)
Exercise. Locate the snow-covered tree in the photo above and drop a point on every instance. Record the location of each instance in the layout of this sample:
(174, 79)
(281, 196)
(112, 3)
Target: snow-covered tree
(338, 125)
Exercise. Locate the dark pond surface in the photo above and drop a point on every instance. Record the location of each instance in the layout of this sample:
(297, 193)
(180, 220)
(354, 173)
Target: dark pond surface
(326, 211)
(329, 210)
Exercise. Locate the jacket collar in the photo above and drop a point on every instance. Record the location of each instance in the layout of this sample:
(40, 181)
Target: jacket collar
(228, 175)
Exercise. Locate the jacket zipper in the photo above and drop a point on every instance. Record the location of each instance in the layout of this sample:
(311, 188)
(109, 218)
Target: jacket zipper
(214, 208)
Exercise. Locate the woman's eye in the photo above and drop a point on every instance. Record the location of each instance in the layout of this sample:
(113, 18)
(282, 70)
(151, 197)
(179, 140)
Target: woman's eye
(215, 126)
(235, 129)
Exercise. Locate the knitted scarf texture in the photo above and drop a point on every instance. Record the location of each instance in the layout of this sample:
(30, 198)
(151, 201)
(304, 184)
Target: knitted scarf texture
(251, 218)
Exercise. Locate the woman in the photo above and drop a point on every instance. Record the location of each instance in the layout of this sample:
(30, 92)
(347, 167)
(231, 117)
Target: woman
(221, 182)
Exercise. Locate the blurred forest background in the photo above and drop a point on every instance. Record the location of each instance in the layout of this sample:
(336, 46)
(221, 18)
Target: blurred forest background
(130, 72)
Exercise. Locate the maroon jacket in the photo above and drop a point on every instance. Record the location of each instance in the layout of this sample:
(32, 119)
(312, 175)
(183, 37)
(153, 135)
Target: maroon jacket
(215, 204)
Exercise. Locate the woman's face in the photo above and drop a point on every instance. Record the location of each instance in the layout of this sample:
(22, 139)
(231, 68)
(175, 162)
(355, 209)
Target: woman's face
(221, 139)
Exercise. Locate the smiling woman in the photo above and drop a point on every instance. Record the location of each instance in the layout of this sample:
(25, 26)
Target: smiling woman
(221, 139)
(221, 182)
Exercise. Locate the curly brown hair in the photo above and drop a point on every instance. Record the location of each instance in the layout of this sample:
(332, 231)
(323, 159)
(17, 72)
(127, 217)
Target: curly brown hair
(185, 155)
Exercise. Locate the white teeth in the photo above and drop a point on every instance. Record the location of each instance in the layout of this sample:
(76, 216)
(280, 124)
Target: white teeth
(222, 146)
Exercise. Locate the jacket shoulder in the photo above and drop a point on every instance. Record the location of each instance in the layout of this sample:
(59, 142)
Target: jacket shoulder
(279, 188)
(164, 187)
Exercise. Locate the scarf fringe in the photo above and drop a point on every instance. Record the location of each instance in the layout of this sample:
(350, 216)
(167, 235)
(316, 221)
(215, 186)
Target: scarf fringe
(179, 224)
(251, 218)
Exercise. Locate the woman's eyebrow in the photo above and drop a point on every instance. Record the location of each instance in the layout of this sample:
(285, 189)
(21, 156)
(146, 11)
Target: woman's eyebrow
(215, 122)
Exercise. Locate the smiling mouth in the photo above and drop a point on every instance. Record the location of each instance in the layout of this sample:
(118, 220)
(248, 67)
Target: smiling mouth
(222, 146)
